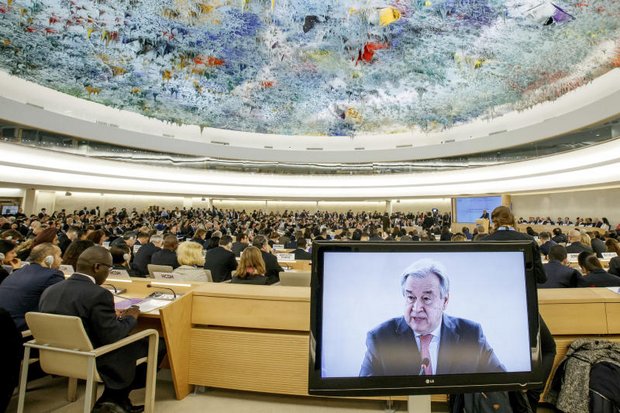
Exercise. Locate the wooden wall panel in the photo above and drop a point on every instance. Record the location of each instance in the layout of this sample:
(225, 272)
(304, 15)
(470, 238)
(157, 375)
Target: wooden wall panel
(269, 362)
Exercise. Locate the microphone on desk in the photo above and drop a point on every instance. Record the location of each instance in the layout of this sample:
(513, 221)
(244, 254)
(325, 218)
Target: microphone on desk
(174, 294)
(113, 288)
(423, 365)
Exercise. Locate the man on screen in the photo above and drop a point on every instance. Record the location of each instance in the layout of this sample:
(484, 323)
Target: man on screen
(426, 341)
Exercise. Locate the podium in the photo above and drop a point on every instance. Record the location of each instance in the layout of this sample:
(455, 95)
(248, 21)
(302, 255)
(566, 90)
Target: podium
(485, 224)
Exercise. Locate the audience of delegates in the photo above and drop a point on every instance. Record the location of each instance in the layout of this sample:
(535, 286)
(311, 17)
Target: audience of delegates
(252, 269)
(597, 244)
(167, 255)
(221, 261)
(191, 260)
(594, 274)
(20, 292)
(559, 273)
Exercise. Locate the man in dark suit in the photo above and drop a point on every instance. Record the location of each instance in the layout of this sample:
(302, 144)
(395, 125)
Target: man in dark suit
(240, 244)
(575, 247)
(145, 254)
(559, 274)
(546, 243)
(300, 252)
(81, 295)
(485, 214)
(221, 260)
(425, 340)
(20, 292)
(558, 236)
(168, 254)
(272, 268)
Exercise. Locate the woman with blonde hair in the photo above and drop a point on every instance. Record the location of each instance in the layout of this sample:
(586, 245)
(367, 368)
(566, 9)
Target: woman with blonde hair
(251, 269)
(189, 255)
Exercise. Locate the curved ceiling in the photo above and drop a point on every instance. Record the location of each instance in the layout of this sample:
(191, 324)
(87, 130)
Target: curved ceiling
(25, 103)
(594, 166)
(312, 67)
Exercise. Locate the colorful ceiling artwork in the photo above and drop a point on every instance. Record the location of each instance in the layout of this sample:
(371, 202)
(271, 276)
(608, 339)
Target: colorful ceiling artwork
(312, 67)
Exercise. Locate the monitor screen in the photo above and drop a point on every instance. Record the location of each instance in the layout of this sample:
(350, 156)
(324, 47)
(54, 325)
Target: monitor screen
(419, 318)
(9, 209)
(468, 210)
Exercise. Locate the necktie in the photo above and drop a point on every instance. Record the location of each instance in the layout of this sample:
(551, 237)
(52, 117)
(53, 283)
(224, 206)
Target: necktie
(425, 341)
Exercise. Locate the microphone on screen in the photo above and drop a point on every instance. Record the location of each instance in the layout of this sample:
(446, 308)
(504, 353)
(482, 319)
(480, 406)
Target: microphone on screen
(174, 294)
(423, 366)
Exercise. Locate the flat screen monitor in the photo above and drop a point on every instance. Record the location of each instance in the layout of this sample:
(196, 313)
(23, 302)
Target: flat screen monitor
(9, 209)
(468, 210)
(394, 318)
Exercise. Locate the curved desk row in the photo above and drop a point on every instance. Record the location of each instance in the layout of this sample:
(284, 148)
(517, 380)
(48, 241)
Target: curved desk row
(256, 338)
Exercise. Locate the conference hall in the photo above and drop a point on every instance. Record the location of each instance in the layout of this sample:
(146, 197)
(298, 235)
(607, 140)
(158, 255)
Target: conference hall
(318, 123)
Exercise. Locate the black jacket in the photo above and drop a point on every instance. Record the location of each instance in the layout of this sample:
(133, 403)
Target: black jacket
(142, 258)
(560, 276)
(272, 268)
(220, 262)
(165, 257)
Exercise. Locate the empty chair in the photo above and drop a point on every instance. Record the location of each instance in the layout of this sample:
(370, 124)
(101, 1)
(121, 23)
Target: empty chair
(153, 268)
(295, 278)
(66, 350)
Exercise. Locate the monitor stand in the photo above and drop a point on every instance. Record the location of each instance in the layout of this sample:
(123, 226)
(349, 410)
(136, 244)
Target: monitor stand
(419, 404)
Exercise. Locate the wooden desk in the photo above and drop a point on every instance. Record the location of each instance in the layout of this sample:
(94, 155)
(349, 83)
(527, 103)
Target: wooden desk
(299, 265)
(172, 321)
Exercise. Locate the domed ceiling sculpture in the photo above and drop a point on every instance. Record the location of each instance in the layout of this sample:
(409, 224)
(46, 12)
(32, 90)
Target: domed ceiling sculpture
(312, 67)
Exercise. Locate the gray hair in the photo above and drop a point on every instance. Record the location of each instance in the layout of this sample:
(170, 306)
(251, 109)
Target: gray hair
(156, 239)
(423, 268)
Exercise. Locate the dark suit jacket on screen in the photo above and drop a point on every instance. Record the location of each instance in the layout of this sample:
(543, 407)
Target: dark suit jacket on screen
(392, 349)
(560, 276)
(220, 262)
(79, 296)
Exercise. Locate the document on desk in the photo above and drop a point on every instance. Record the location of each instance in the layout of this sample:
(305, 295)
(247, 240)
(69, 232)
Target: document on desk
(146, 305)
(614, 289)
(151, 304)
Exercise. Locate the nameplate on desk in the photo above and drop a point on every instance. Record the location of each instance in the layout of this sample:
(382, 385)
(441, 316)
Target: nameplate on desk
(285, 257)
(278, 246)
(119, 275)
(66, 269)
(164, 275)
(572, 257)
(609, 255)
(614, 289)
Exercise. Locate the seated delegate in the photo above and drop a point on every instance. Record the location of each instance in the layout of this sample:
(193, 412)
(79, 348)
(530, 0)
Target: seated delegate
(595, 275)
(251, 269)
(189, 255)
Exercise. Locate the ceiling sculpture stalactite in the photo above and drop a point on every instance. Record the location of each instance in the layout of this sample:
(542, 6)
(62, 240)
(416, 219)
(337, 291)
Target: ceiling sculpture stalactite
(312, 67)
